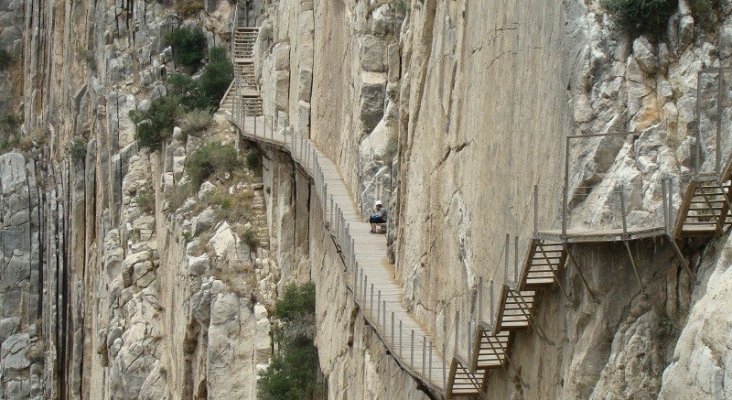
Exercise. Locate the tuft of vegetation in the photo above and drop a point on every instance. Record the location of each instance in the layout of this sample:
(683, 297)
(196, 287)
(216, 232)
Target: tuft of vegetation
(77, 150)
(250, 238)
(254, 161)
(211, 159)
(401, 7)
(88, 57)
(217, 76)
(188, 8)
(196, 121)
(189, 46)
(294, 372)
(156, 124)
(6, 60)
(177, 195)
(640, 16)
(705, 12)
(146, 201)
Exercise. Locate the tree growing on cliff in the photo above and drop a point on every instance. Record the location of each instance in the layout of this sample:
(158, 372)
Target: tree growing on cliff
(217, 76)
(640, 16)
(189, 46)
(294, 370)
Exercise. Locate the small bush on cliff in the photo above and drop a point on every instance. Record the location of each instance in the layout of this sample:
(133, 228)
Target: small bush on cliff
(705, 12)
(6, 60)
(640, 16)
(189, 46)
(156, 124)
(77, 150)
(195, 122)
(294, 372)
(188, 8)
(211, 159)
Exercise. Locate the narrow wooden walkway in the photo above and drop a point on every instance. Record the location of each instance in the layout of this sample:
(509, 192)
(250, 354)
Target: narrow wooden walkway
(370, 276)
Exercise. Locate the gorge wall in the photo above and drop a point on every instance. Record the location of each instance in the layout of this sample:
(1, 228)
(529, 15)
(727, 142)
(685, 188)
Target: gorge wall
(448, 111)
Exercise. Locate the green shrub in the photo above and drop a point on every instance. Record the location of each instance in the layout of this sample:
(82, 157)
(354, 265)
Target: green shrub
(188, 91)
(294, 371)
(640, 16)
(250, 238)
(6, 60)
(211, 159)
(254, 162)
(296, 302)
(188, 8)
(156, 124)
(189, 46)
(217, 76)
(77, 150)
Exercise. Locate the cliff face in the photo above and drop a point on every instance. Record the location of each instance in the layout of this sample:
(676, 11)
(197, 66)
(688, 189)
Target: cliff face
(448, 111)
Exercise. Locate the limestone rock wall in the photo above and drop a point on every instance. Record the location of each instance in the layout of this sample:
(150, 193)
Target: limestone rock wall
(479, 98)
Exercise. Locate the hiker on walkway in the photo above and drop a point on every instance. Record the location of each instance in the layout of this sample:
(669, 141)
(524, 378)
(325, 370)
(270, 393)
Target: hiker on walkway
(378, 216)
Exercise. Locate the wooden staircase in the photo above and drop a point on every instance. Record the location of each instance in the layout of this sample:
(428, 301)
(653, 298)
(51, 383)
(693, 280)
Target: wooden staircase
(705, 208)
(543, 263)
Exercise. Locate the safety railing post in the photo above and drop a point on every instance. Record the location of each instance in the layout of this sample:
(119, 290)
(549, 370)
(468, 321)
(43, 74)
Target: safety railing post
(480, 297)
(401, 342)
(564, 213)
(444, 366)
(378, 308)
(392, 329)
(515, 260)
(491, 305)
(468, 340)
(365, 286)
(622, 210)
(424, 354)
(536, 210)
(718, 155)
(505, 259)
(411, 357)
(383, 315)
(371, 303)
(429, 377)
(665, 205)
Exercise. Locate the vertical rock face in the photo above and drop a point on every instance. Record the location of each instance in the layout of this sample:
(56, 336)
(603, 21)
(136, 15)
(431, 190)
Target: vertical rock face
(115, 285)
(21, 346)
